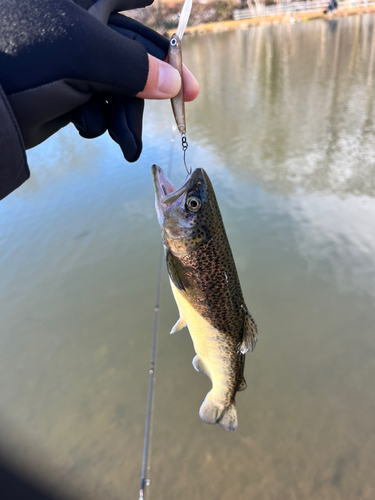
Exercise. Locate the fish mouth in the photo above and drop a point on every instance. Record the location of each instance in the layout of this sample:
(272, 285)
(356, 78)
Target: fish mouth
(165, 191)
(163, 186)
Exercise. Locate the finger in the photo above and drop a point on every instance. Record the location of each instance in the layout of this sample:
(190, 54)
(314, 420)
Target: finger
(164, 82)
(101, 9)
(155, 44)
(125, 125)
(91, 119)
(191, 85)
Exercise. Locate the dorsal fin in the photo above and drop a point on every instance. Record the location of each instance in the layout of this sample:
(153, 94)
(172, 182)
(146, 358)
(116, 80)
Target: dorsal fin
(249, 335)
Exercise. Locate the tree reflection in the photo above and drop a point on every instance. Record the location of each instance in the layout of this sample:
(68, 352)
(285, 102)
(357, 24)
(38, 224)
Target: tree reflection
(290, 106)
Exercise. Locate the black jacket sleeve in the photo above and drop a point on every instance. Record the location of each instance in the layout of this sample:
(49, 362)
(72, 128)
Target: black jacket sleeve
(14, 170)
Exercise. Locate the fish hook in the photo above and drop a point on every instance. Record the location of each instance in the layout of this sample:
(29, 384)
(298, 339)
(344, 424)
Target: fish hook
(184, 148)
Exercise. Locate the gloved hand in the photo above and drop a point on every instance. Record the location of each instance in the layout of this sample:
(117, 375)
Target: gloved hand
(119, 114)
(61, 63)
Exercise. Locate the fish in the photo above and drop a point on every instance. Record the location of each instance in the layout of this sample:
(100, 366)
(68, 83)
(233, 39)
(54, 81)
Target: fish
(206, 288)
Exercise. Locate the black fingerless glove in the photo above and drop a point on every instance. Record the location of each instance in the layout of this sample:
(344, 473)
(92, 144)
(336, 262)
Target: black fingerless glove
(61, 63)
(119, 114)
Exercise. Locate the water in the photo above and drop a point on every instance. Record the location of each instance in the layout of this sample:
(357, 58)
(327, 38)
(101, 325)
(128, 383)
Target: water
(285, 127)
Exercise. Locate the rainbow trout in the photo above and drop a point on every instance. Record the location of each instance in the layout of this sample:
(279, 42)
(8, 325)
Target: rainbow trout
(206, 288)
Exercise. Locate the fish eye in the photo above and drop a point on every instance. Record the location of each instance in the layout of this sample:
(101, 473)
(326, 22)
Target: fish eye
(173, 42)
(193, 203)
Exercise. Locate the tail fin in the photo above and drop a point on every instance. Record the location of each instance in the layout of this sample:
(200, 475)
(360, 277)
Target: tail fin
(229, 420)
(212, 413)
(209, 411)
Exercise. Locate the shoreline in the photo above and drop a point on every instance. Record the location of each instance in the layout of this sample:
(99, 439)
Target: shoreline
(269, 20)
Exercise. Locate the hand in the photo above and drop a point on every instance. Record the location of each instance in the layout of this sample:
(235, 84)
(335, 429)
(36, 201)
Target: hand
(60, 63)
(122, 115)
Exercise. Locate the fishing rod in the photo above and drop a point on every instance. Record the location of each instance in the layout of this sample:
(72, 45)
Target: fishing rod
(151, 383)
(146, 461)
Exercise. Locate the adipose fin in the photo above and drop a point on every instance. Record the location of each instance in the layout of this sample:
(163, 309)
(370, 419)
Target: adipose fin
(242, 385)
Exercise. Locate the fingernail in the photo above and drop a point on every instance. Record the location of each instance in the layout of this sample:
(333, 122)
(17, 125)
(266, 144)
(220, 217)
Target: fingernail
(169, 81)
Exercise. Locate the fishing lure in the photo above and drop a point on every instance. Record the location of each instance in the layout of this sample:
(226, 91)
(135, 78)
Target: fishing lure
(175, 60)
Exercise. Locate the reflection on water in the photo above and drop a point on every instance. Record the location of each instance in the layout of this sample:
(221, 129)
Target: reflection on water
(282, 103)
(284, 126)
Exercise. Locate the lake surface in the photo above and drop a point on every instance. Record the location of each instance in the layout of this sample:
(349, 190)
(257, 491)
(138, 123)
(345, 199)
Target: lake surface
(285, 127)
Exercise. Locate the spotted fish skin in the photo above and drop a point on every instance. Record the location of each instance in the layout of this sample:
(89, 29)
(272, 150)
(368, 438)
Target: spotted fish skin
(207, 290)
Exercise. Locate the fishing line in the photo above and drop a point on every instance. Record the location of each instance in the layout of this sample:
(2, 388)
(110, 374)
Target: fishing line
(146, 461)
(184, 149)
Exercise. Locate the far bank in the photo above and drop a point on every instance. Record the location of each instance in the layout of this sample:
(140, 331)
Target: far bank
(276, 19)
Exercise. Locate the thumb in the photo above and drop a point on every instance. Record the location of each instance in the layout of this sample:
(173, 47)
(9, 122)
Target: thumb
(163, 81)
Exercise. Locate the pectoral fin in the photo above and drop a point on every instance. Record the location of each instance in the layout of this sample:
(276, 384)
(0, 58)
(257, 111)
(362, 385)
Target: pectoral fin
(173, 272)
(178, 326)
(250, 335)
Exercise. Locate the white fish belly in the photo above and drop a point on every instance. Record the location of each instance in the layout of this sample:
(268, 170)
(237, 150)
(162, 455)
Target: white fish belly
(206, 340)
